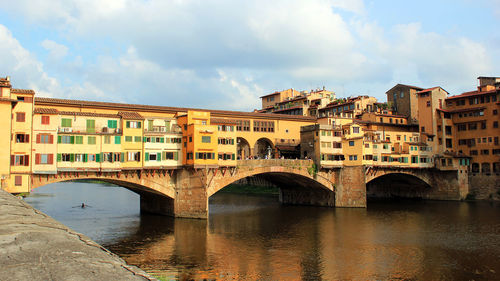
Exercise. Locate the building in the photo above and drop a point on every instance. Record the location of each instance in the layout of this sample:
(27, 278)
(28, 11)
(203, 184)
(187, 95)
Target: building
(403, 100)
(348, 108)
(292, 102)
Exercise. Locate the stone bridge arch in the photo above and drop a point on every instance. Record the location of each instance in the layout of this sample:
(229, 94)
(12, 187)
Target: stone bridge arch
(297, 182)
(156, 190)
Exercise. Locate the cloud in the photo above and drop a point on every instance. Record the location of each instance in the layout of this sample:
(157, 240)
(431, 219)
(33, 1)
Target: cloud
(56, 51)
(225, 54)
(26, 71)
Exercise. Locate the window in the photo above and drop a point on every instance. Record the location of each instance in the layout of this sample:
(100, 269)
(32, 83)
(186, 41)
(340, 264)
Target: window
(422, 129)
(44, 138)
(65, 139)
(263, 126)
(204, 155)
(133, 124)
(355, 130)
(90, 126)
(19, 160)
(128, 138)
(495, 112)
(351, 143)
(91, 140)
(206, 139)
(44, 158)
(107, 139)
(401, 95)
(428, 103)
(18, 180)
(22, 138)
(45, 120)
(112, 124)
(79, 139)
(20, 116)
(118, 140)
(495, 124)
(134, 156)
(137, 139)
(65, 122)
(485, 152)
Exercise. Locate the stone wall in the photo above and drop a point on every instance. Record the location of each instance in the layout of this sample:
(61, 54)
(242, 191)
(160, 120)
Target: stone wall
(351, 188)
(484, 186)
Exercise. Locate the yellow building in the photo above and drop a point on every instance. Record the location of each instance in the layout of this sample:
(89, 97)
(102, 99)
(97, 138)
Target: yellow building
(132, 145)
(162, 143)
(226, 140)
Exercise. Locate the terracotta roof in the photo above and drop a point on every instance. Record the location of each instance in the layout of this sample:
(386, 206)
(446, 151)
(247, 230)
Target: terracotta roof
(7, 99)
(222, 121)
(430, 89)
(89, 114)
(156, 108)
(43, 110)
(22, 91)
(290, 108)
(130, 115)
(403, 85)
(268, 95)
(470, 94)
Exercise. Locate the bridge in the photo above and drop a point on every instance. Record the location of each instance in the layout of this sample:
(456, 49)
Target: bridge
(184, 192)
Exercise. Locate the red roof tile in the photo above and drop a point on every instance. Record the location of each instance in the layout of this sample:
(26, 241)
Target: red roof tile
(22, 91)
(130, 115)
(469, 94)
(43, 110)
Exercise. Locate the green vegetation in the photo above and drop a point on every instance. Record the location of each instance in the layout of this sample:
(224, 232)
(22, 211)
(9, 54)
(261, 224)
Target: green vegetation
(250, 189)
(313, 170)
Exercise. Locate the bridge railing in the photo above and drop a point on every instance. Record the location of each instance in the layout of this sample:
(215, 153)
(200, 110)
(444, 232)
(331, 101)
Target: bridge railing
(274, 162)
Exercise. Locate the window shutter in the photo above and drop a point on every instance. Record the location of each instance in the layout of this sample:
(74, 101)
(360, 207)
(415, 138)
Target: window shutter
(51, 139)
(147, 156)
(38, 138)
(162, 140)
(176, 155)
(72, 139)
(12, 160)
(98, 157)
(144, 139)
(158, 156)
(27, 138)
(85, 158)
(58, 139)
(59, 157)
(128, 124)
(72, 157)
(37, 158)
(232, 156)
(50, 159)
(122, 157)
(26, 160)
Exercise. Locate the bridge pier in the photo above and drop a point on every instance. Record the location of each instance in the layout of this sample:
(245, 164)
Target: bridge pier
(313, 197)
(351, 188)
(156, 204)
(191, 199)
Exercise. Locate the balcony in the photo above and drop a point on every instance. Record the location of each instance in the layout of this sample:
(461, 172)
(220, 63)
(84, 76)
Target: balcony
(91, 131)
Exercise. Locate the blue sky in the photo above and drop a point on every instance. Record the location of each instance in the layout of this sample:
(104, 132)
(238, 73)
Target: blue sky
(224, 54)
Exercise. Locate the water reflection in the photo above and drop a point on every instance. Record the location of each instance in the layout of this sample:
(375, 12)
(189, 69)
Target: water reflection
(255, 238)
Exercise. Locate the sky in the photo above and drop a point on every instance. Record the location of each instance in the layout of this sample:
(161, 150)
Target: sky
(225, 54)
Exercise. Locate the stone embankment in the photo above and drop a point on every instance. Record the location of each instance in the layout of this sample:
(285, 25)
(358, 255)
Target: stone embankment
(33, 246)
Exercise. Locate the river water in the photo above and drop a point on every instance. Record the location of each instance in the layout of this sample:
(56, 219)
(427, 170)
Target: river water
(255, 238)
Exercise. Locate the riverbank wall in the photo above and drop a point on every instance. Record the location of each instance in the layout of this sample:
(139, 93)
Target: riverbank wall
(34, 246)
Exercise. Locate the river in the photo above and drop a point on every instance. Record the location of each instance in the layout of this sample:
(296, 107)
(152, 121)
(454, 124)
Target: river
(255, 238)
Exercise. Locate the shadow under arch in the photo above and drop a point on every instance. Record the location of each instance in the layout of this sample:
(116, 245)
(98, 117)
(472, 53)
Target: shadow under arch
(242, 148)
(398, 185)
(294, 188)
(262, 147)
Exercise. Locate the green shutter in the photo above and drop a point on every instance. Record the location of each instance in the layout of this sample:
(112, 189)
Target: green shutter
(59, 140)
(150, 125)
(232, 156)
(144, 139)
(122, 157)
(72, 157)
(85, 157)
(139, 125)
(176, 155)
(59, 157)
(118, 140)
(72, 139)
(158, 156)
(98, 157)
(147, 157)
(128, 124)
(213, 155)
(162, 140)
